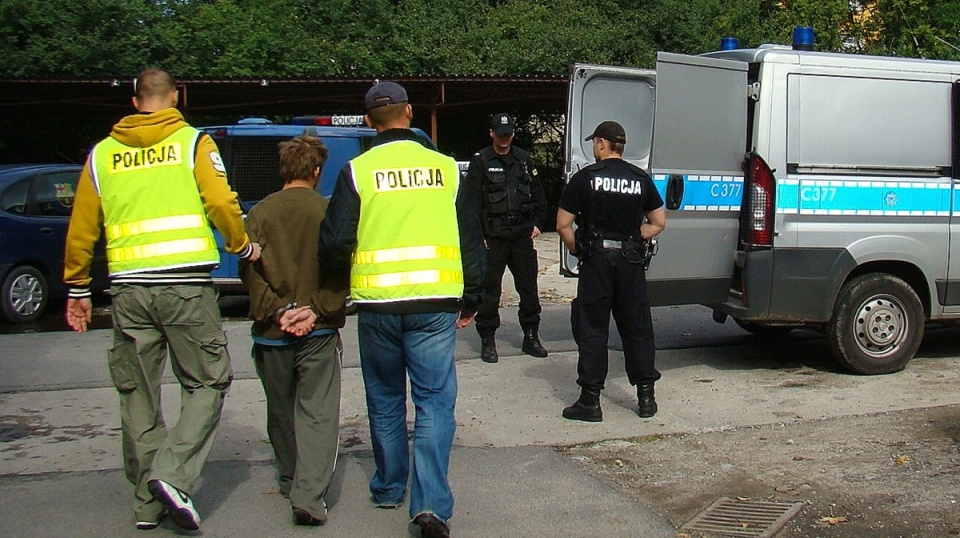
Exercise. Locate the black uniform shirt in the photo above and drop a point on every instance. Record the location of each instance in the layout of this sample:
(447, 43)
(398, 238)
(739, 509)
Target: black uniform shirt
(618, 191)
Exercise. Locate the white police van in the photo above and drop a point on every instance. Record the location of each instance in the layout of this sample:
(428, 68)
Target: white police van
(250, 155)
(802, 188)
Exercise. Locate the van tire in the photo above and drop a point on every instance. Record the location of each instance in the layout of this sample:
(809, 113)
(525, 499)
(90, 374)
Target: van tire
(877, 324)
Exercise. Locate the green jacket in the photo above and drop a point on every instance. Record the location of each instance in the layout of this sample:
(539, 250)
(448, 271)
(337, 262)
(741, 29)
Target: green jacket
(287, 226)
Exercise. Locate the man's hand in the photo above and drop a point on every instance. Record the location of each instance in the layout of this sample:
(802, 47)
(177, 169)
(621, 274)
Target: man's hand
(298, 321)
(466, 316)
(79, 313)
(254, 254)
(535, 233)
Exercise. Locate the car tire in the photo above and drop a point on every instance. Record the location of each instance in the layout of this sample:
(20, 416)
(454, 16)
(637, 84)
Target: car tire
(24, 295)
(877, 324)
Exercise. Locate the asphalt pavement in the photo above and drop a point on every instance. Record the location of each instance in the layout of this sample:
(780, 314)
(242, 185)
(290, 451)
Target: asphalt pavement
(61, 470)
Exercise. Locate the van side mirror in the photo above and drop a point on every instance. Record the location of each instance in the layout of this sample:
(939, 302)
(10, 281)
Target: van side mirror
(674, 191)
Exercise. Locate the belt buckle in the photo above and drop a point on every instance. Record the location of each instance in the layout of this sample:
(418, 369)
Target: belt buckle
(609, 243)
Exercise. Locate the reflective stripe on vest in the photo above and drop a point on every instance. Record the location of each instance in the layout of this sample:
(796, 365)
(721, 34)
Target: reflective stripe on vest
(153, 214)
(179, 222)
(408, 236)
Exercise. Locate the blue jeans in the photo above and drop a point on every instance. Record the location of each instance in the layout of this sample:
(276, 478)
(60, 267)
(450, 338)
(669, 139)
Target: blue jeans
(393, 346)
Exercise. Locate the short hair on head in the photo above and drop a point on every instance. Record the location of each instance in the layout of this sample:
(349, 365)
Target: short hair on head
(616, 147)
(383, 115)
(299, 156)
(152, 83)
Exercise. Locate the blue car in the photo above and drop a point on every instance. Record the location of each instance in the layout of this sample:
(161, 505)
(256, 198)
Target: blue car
(249, 151)
(35, 205)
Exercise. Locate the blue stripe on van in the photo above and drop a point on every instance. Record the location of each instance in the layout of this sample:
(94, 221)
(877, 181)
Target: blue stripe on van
(706, 192)
(864, 197)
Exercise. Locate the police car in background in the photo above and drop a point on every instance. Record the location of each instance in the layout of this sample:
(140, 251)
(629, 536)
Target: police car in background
(249, 151)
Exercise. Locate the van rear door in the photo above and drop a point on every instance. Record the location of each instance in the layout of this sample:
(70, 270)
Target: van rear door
(598, 93)
(699, 144)
(695, 150)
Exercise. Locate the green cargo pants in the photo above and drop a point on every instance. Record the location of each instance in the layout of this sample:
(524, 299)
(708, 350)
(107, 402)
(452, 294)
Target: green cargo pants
(302, 384)
(147, 321)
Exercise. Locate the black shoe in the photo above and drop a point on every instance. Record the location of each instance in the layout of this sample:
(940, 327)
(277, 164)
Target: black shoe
(303, 517)
(646, 399)
(179, 505)
(587, 408)
(427, 525)
(581, 411)
(531, 343)
(488, 349)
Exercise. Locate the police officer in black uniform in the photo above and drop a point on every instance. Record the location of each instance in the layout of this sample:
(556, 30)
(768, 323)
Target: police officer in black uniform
(514, 210)
(617, 209)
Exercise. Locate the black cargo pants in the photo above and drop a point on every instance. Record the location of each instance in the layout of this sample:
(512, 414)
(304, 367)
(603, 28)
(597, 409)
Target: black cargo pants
(610, 283)
(520, 256)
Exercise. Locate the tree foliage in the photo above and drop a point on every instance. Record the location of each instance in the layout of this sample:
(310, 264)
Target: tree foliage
(229, 38)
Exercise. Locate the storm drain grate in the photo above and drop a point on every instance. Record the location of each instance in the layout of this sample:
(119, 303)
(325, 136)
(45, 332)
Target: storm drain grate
(736, 517)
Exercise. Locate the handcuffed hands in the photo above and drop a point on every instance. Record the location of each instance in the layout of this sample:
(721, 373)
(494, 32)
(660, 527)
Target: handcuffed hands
(298, 321)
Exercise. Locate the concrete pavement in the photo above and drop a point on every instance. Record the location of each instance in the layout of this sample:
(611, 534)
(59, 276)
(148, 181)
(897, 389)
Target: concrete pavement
(60, 463)
(60, 467)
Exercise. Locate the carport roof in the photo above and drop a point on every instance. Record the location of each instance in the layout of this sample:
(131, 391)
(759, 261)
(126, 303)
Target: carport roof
(525, 94)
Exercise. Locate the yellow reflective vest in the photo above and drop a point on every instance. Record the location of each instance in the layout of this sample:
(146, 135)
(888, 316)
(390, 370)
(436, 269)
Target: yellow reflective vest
(408, 241)
(153, 214)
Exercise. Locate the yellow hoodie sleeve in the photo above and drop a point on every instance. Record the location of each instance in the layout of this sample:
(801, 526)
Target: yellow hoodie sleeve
(82, 235)
(219, 201)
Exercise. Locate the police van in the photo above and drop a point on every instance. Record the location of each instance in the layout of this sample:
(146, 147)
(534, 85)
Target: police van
(250, 155)
(803, 189)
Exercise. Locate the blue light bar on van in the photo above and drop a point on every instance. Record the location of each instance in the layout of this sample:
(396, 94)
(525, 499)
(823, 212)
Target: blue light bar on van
(729, 43)
(803, 38)
(330, 121)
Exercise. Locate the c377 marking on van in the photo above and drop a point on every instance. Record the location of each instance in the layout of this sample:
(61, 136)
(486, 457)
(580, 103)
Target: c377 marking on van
(872, 198)
(707, 192)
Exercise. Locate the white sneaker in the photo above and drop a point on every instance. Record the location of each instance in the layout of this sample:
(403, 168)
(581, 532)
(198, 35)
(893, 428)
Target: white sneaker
(150, 524)
(179, 505)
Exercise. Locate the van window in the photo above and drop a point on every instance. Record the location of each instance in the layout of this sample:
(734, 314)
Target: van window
(831, 119)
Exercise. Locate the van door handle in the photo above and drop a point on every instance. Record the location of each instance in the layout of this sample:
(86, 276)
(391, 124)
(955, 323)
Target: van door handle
(46, 230)
(674, 191)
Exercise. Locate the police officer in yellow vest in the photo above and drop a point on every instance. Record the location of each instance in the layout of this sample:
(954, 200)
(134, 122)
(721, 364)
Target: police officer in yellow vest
(152, 185)
(409, 234)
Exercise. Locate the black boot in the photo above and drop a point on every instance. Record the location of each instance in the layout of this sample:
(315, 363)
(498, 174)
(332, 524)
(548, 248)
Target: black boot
(488, 349)
(648, 404)
(531, 343)
(587, 408)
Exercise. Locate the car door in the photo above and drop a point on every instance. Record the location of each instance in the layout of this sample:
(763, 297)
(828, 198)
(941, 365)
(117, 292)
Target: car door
(686, 124)
(50, 203)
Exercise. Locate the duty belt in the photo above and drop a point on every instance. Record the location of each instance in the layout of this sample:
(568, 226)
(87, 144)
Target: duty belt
(610, 243)
(507, 219)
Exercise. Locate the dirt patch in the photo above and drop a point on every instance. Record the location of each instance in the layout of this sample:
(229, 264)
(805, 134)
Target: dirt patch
(884, 475)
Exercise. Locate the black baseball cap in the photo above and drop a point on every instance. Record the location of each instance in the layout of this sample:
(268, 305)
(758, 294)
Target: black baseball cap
(609, 130)
(384, 93)
(502, 123)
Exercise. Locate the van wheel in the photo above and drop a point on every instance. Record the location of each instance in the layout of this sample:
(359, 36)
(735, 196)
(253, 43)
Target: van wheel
(761, 330)
(24, 295)
(877, 324)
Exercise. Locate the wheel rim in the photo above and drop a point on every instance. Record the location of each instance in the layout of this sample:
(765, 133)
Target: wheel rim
(26, 295)
(880, 326)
